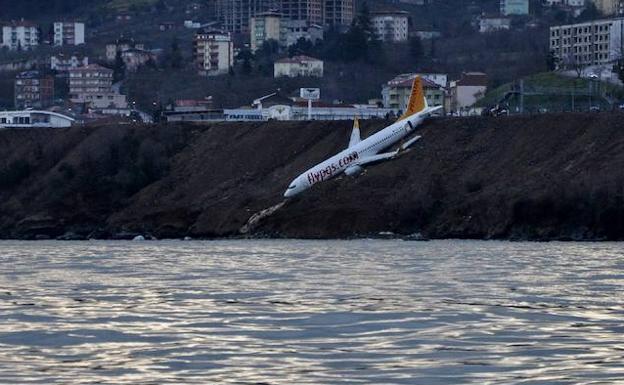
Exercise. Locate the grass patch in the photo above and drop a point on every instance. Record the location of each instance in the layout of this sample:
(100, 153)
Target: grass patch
(554, 92)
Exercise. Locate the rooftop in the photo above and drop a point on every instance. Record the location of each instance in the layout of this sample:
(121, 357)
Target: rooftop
(298, 59)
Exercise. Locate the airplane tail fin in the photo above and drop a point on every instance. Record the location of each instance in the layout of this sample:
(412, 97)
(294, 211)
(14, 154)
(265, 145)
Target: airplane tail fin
(417, 101)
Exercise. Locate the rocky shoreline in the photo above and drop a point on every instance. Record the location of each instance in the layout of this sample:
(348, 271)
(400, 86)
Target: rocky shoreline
(543, 177)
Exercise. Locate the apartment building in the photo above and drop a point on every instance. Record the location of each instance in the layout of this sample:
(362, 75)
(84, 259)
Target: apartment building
(267, 26)
(121, 45)
(33, 90)
(466, 91)
(302, 29)
(391, 26)
(298, 66)
(339, 13)
(214, 52)
(308, 10)
(20, 35)
(514, 7)
(489, 24)
(62, 63)
(235, 15)
(610, 7)
(92, 85)
(68, 33)
(592, 43)
(396, 93)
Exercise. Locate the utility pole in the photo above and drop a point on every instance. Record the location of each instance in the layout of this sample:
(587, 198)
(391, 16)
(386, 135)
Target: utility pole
(521, 96)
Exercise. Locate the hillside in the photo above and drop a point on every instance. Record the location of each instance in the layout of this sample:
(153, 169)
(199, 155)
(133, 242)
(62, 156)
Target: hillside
(556, 93)
(529, 177)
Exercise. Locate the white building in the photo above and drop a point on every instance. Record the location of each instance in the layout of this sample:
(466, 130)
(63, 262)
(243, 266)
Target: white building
(569, 3)
(21, 35)
(298, 66)
(391, 26)
(69, 33)
(302, 29)
(596, 42)
(493, 23)
(267, 26)
(466, 91)
(514, 7)
(62, 63)
(610, 7)
(92, 86)
(33, 118)
(214, 52)
(299, 111)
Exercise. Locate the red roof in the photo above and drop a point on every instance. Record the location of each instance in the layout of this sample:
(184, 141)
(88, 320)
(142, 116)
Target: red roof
(475, 79)
(407, 83)
(297, 59)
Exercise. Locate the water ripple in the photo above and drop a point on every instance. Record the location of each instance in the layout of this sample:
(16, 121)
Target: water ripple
(305, 312)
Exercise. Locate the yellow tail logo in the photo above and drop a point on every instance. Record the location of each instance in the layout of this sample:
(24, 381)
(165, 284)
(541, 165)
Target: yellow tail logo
(417, 100)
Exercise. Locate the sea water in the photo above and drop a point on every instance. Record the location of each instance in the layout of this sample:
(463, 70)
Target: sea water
(311, 312)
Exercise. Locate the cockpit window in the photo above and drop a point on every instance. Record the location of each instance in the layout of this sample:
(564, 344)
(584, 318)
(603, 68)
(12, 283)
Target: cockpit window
(292, 186)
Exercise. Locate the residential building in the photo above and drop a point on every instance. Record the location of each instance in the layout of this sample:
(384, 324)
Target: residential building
(214, 52)
(134, 58)
(514, 7)
(34, 118)
(592, 43)
(569, 3)
(267, 26)
(493, 23)
(466, 91)
(339, 13)
(302, 29)
(308, 10)
(92, 85)
(121, 45)
(298, 66)
(20, 35)
(33, 89)
(391, 26)
(610, 7)
(396, 93)
(62, 63)
(235, 15)
(69, 33)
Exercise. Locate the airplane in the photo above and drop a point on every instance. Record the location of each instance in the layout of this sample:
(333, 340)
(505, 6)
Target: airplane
(360, 152)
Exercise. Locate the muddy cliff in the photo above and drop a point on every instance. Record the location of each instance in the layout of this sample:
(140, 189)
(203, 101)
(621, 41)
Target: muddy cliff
(528, 177)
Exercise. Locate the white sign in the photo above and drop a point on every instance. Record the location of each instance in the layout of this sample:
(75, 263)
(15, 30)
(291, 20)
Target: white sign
(311, 93)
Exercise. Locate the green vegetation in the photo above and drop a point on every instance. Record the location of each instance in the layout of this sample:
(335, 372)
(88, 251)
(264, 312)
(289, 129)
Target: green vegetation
(550, 91)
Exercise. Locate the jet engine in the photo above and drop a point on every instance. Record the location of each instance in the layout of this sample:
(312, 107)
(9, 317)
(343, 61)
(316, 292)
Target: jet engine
(354, 170)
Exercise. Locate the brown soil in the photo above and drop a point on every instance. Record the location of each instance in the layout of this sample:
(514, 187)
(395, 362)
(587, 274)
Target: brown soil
(531, 177)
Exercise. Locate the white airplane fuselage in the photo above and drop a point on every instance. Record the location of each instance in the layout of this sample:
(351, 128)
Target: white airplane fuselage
(354, 155)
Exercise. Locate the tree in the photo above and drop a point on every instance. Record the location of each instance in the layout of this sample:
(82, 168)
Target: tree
(364, 22)
(552, 61)
(246, 57)
(175, 55)
(119, 70)
(618, 68)
(303, 46)
(416, 48)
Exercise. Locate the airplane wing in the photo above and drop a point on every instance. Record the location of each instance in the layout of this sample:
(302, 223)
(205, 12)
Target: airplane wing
(376, 158)
(386, 155)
